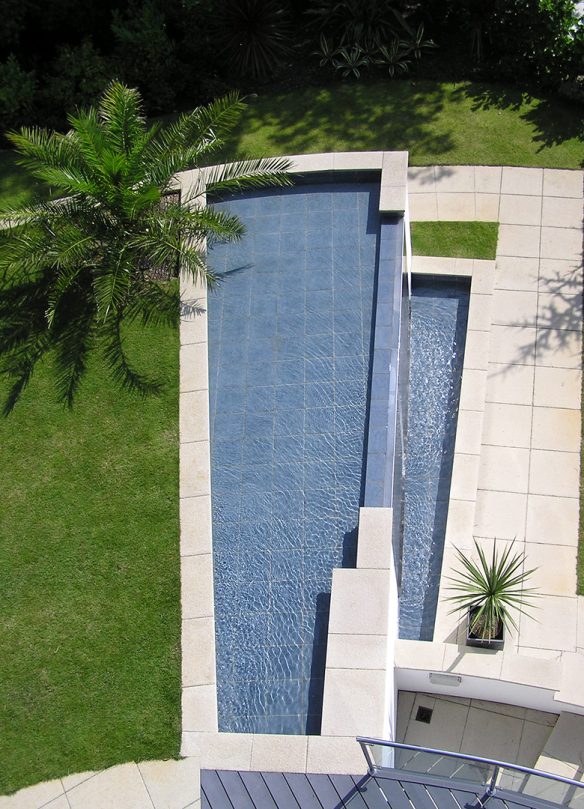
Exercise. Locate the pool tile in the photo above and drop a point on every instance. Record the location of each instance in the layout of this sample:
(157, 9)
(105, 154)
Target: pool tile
(289, 337)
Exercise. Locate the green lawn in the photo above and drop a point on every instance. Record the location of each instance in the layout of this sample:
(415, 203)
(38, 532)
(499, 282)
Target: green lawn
(456, 239)
(438, 123)
(89, 554)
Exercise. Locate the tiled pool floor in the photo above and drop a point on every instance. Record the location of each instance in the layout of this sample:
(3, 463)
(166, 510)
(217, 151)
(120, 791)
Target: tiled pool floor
(289, 341)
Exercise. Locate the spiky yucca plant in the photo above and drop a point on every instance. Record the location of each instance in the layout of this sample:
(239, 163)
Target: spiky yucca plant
(491, 590)
(76, 269)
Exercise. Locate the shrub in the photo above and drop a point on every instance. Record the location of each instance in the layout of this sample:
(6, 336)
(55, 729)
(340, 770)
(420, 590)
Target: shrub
(255, 35)
(17, 95)
(78, 76)
(146, 55)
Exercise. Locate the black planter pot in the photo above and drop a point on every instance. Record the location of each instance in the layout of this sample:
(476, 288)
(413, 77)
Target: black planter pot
(472, 639)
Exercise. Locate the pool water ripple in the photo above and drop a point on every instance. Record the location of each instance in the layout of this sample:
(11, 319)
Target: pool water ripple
(289, 340)
(439, 313)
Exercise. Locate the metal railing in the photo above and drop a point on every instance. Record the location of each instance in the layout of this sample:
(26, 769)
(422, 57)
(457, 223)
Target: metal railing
(385, 757)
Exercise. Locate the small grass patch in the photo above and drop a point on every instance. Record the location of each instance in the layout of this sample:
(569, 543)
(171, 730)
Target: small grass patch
(455, 239)
(90, 595)
(16, 186)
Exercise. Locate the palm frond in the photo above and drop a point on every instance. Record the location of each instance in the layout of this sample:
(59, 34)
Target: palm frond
(49, 156)
(120, 109)
(121, 369)
(73, 338)
(155, 304)
(244, 175)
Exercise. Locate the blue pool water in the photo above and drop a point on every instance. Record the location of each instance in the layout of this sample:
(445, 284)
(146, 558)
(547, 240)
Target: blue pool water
(439, 313)
(289, 354)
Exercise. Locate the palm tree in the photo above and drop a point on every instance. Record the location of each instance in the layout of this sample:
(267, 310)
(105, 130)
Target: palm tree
(76, 269)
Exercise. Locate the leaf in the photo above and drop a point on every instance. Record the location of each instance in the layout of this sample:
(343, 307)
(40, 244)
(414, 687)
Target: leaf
(494, 587)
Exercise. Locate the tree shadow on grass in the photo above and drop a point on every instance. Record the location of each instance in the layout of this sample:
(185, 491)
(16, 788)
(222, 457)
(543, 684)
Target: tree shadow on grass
(554, 121)
(373, 117)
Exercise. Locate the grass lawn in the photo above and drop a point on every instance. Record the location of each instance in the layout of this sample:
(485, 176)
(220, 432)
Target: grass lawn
(456, 239)
(90, 596)
(438, 123)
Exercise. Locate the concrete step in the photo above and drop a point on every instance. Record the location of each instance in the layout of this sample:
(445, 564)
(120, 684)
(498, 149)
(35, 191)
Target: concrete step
(563, 753)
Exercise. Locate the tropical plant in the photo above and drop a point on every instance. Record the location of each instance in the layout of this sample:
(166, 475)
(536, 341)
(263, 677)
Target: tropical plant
(491, 589)
(358, 21)
(254, 34)
(360, 35)
(75, 270)
(349, 60)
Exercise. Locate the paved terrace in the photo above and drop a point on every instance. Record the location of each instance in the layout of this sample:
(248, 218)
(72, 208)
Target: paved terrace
(516, 468)
(515, 476)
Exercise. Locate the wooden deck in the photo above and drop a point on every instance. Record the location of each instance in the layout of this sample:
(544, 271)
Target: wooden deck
(229, 789)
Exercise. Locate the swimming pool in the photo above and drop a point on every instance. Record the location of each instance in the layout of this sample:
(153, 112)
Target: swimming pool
(290, 330)
(439, 313)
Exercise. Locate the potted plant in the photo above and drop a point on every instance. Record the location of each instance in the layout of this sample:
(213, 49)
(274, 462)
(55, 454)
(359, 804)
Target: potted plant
(489, 590)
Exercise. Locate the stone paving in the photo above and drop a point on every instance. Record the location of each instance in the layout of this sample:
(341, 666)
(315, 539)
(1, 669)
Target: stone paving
(523, 477)
(523, 473)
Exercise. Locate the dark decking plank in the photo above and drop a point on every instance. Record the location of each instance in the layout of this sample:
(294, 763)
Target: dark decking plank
(279, 790)
(442, 797)
(369, 789)
(325, 791)
(258, 791)
(394, 793)
(495, 803)
(467, 799)
(235, 789)
(349, 796)
(418, 795)
(213, 792)
(303, 792)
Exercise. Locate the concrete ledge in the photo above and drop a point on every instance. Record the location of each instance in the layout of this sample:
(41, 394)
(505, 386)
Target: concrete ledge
(199, 708)
(197, 586)
(394, 179)
(274, 753)
(359, 602)
(198, 651)
(357, 161)
(246, 751)
(356, 652)
(335, 754)
(307, 163)
(195, 468)
(195, 525)
(374, 542)
(219, 751)
(354, 702)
